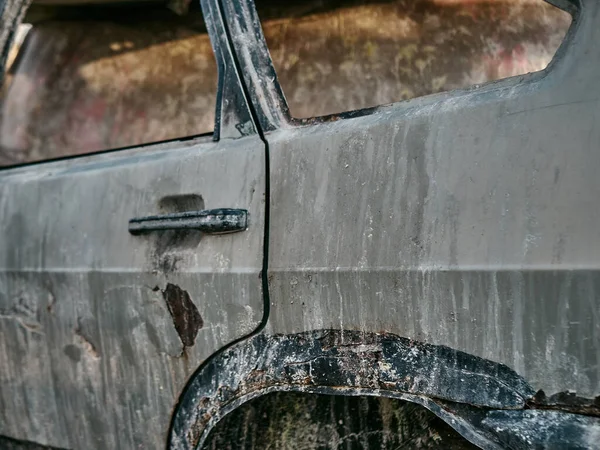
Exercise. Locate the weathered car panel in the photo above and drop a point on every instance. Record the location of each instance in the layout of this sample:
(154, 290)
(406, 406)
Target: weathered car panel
(467, 220)
(96, 323)
(464, 219)
(100, 327)
(458, 230)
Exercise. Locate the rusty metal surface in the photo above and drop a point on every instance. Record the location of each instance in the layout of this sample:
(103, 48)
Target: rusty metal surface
(186, 318)
(83, 86)
(471, 394)
(342, 363)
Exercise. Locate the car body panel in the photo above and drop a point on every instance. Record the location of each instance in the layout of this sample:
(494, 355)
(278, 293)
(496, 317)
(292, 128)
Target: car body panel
(85, 325)
(100, 328)
(461, 223)
(465, 219)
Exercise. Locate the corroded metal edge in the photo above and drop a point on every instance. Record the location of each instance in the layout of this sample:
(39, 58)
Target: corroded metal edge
(473, 395)
(347, 363)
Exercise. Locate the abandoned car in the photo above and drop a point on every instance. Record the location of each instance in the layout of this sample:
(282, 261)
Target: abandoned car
(319, 224)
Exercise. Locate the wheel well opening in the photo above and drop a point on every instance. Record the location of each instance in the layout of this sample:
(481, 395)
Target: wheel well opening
(299, 420)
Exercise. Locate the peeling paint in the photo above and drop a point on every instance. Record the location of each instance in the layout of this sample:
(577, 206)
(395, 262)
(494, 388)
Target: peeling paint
(186, 317)
(25, 314)
(86, 341)
(566, 402)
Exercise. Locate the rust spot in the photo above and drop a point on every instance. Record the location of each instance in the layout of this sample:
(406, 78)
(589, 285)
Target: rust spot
(85, 340)
(186, 318)
(566, 402)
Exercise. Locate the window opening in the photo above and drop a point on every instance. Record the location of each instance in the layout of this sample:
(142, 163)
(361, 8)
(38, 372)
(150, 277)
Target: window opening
(333, 56)
(92, 78)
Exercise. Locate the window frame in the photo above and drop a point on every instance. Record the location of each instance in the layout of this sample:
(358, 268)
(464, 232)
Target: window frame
(267, 95)
(231, 107)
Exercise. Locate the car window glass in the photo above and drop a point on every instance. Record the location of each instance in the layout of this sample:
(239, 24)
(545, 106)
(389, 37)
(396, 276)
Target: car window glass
(333, 56)
(87, 79)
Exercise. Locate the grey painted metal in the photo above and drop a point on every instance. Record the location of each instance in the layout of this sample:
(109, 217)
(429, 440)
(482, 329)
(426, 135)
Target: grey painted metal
(90, 355)
(467, 219)
(100, 329)
(214, 221)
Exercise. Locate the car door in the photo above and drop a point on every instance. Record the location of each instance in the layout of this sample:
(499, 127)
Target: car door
(103, 319)
(465, 219)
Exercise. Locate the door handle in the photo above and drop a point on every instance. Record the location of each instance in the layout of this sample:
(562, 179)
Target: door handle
(210, 221)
